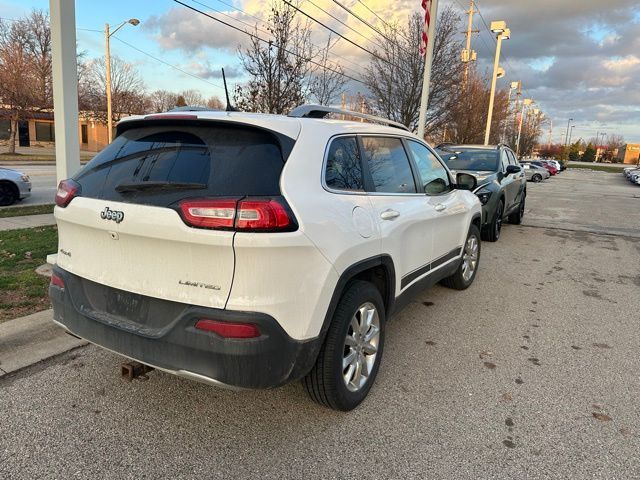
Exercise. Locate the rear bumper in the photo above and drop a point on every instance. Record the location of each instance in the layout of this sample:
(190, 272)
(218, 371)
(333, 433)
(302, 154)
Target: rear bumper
(270, 360)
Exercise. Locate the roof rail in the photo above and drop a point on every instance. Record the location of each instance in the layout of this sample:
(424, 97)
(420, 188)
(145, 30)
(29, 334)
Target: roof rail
(321, 111)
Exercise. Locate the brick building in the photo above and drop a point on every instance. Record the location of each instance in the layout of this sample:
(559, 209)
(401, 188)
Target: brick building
(630, 153)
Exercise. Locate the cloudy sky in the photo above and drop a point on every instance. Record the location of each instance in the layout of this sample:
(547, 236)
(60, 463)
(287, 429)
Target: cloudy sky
(576, 59)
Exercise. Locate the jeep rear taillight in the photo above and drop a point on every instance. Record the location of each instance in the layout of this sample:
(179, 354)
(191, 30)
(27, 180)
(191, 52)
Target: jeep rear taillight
(216, 214)
(67, 191)
(262, 215)
(249, 214)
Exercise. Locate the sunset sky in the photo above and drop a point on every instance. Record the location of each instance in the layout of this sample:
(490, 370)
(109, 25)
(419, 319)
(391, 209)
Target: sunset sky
(577, 59)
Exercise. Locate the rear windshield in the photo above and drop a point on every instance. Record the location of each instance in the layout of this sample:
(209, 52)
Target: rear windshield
(161, 165)
(472, 159)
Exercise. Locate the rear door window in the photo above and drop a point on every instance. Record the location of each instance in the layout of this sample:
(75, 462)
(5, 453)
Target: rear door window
(388, 165)
(344, 169)
(160, 165)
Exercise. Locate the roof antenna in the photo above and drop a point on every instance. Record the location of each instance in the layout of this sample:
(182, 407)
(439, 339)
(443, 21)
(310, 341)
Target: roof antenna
(230, 108)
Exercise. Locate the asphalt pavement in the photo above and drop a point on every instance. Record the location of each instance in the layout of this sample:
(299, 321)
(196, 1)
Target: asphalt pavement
(530, 373)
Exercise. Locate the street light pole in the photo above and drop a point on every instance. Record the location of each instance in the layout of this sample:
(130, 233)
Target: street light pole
(107, 69)
(566, 137)
(502, 33)
(523, 111)
(571, 132)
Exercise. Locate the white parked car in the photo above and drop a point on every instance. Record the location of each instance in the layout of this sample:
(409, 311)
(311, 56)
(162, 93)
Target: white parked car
(535, 173)
(250, 250)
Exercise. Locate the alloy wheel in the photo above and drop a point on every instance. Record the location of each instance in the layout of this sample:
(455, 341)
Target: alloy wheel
(361, 347)
(470, 258)
(498, 220)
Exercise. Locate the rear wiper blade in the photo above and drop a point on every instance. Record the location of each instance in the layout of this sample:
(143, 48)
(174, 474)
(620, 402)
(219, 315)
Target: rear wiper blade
(147, 186)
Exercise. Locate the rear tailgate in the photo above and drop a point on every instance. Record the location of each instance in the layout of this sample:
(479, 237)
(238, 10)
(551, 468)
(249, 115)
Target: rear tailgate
(123, 229)
(150, 252)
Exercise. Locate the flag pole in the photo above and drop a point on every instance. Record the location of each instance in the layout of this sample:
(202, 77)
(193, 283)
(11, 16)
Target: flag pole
(433, 14)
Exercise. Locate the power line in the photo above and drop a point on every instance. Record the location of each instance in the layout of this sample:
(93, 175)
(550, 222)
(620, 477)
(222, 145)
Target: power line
(340, 21)
(373, 54)
(256, 37)
(269, 33)
(375, 29)
(169, 64)
(266, 32)
(381, 19)
(376, 15)
(232, 18)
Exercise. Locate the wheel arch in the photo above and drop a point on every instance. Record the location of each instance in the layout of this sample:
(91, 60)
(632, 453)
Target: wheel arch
(378, 270)
(14, 187)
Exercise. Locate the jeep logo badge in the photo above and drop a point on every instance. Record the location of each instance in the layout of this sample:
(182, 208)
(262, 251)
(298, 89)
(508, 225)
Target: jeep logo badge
(115, 215)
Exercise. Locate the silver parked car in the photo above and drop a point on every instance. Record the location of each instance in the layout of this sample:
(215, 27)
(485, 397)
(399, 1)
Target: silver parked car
(534, 173)
(14, 186)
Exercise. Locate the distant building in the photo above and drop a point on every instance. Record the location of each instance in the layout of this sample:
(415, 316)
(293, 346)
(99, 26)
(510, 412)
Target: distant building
(38, 130)
(630, 153)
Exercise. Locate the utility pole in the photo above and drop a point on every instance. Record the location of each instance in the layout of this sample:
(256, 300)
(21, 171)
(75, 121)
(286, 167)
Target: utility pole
(550, 131)
(468, 55)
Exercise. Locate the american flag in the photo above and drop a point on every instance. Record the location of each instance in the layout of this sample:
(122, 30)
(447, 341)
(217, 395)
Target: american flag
(426, 4)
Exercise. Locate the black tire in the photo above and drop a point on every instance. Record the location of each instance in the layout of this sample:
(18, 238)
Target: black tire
(517, 216)
(325, 383)
(537, 178)
(457, 281)
(492, 231)
(9, 193)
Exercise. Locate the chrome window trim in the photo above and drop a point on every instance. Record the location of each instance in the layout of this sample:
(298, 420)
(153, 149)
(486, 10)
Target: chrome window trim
(363, 192)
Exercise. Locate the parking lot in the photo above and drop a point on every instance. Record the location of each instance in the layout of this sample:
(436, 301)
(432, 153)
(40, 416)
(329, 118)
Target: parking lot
(530, 373)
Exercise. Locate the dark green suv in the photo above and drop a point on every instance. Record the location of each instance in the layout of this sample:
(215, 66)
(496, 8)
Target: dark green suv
(502, 185)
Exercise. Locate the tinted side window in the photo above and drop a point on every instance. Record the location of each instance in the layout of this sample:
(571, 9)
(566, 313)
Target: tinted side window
(504, 160)
(388, 165)
(435, 179)
(512, 158)
(344, 169)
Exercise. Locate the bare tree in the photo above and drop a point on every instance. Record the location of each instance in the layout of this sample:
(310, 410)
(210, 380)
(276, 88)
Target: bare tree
(327, 79)
(162, 100)
(279, 69)
(39, 46)
(193, 98)
(215, 103)
(394, 75)
(467, 113)
(127, 89)
(17, 77)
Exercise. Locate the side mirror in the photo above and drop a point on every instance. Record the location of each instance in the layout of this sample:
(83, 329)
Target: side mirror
(464, 181)
(513, 169)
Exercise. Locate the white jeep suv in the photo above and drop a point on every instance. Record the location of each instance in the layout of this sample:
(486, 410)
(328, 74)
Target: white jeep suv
(250, 250)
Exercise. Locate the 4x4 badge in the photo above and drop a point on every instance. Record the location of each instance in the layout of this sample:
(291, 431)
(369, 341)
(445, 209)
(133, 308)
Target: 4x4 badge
(115, 215)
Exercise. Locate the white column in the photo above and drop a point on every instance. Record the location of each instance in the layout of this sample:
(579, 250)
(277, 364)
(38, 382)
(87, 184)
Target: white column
(65, 87)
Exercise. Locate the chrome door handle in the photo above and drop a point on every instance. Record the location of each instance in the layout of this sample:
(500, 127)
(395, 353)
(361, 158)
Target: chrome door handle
(440, 207)
(389, 214)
